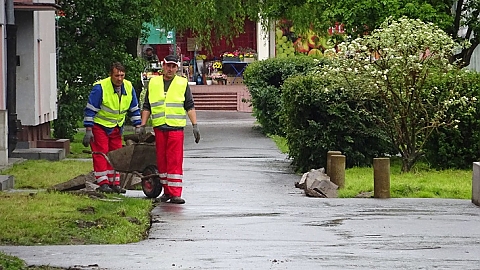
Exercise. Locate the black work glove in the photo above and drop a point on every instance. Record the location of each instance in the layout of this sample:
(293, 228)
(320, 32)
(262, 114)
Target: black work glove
(87, 138)
(196, 133)
(140, 130)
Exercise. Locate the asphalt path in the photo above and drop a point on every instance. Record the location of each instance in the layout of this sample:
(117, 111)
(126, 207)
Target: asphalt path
(243, 211)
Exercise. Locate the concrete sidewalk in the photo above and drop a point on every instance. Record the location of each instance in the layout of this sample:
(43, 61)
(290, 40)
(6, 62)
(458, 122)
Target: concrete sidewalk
(242, 211)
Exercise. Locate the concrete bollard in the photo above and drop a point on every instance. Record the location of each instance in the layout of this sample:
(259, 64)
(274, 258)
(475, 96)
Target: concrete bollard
(476, 184)
(381, 178)
(329, 160)
(337, 174)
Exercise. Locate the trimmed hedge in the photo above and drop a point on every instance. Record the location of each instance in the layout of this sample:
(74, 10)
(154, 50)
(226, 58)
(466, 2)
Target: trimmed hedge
(318, 121)
(264, 80)
(289, 100)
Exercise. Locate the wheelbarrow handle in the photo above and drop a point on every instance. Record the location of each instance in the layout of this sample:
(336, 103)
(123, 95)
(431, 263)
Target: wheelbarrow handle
(100, 153)
(141, 176)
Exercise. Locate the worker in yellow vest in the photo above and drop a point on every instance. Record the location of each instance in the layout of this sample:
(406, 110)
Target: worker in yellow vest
(108, 103)
(168, 101)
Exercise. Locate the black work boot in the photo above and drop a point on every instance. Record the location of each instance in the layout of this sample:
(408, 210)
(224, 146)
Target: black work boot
(118, 189)
(165, 197)
(177, 200)
(105, 189)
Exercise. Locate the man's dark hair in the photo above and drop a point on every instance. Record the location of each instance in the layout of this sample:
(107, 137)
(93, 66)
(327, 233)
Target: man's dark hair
(118, 66)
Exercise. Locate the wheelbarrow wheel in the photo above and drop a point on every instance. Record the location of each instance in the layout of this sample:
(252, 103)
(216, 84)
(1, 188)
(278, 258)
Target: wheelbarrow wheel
(151, 186)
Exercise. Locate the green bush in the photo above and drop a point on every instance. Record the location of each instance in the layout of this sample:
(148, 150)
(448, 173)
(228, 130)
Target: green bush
(264, 80)
(319, 120)
(457, 147)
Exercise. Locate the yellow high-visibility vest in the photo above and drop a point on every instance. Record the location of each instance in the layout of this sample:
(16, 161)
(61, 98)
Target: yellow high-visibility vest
(112, 111)
(168, 108)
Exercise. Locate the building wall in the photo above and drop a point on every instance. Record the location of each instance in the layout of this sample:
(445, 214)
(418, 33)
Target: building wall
(34, 1)
(36, 73)
(3, 70)
(46, 65)
(3, 57)
(265, 42)
(475, 60)
(3, 88)
(248, 39)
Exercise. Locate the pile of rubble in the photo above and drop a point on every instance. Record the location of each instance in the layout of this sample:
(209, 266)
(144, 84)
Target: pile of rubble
(85, 184)
(316, 183)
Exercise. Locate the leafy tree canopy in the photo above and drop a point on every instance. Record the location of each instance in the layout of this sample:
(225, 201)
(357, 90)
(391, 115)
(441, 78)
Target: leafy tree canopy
(224, 19)
(360, 17)
(91, 35)
(206, 19)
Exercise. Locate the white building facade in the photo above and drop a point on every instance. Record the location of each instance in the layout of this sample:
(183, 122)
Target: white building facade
(36, 85)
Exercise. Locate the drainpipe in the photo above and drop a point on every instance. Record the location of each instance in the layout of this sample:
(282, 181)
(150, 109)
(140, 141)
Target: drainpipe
(14, 125)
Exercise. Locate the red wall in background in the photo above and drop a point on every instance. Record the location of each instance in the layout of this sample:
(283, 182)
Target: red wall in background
(248, 39)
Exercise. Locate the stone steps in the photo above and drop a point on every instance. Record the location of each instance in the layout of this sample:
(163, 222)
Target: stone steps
(225, 101)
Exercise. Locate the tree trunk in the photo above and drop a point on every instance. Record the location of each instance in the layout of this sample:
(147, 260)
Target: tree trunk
(465, 56)
(405, 165)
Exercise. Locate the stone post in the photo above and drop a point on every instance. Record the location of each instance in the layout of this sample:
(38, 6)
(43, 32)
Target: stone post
(337, 173)
(476, 183)
(329, 160)
(3, 138)
(381, 178)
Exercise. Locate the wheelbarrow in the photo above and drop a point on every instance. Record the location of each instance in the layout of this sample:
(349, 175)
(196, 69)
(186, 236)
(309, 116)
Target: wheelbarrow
(139, 159)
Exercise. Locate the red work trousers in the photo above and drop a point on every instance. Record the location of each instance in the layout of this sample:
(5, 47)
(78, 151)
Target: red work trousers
(169, 147)
(104, 143)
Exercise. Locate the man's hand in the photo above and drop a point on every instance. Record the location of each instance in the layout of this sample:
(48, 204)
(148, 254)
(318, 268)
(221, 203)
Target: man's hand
(140, 130)
(196, 133)
(87, 138)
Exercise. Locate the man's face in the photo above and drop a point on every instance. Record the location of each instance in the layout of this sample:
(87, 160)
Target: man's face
(169, 70)
(117, 77)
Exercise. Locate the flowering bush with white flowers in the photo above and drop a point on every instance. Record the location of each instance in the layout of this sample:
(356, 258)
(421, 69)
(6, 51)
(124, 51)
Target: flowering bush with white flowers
(396, 64)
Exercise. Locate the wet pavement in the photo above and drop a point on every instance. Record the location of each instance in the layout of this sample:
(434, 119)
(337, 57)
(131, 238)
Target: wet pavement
(243, 211)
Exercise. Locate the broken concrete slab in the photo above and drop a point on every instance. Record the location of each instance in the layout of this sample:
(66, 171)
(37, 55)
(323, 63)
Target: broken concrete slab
(316, 183)
(6, 182)
(76, 183)
(325, 188)
(86, 182)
